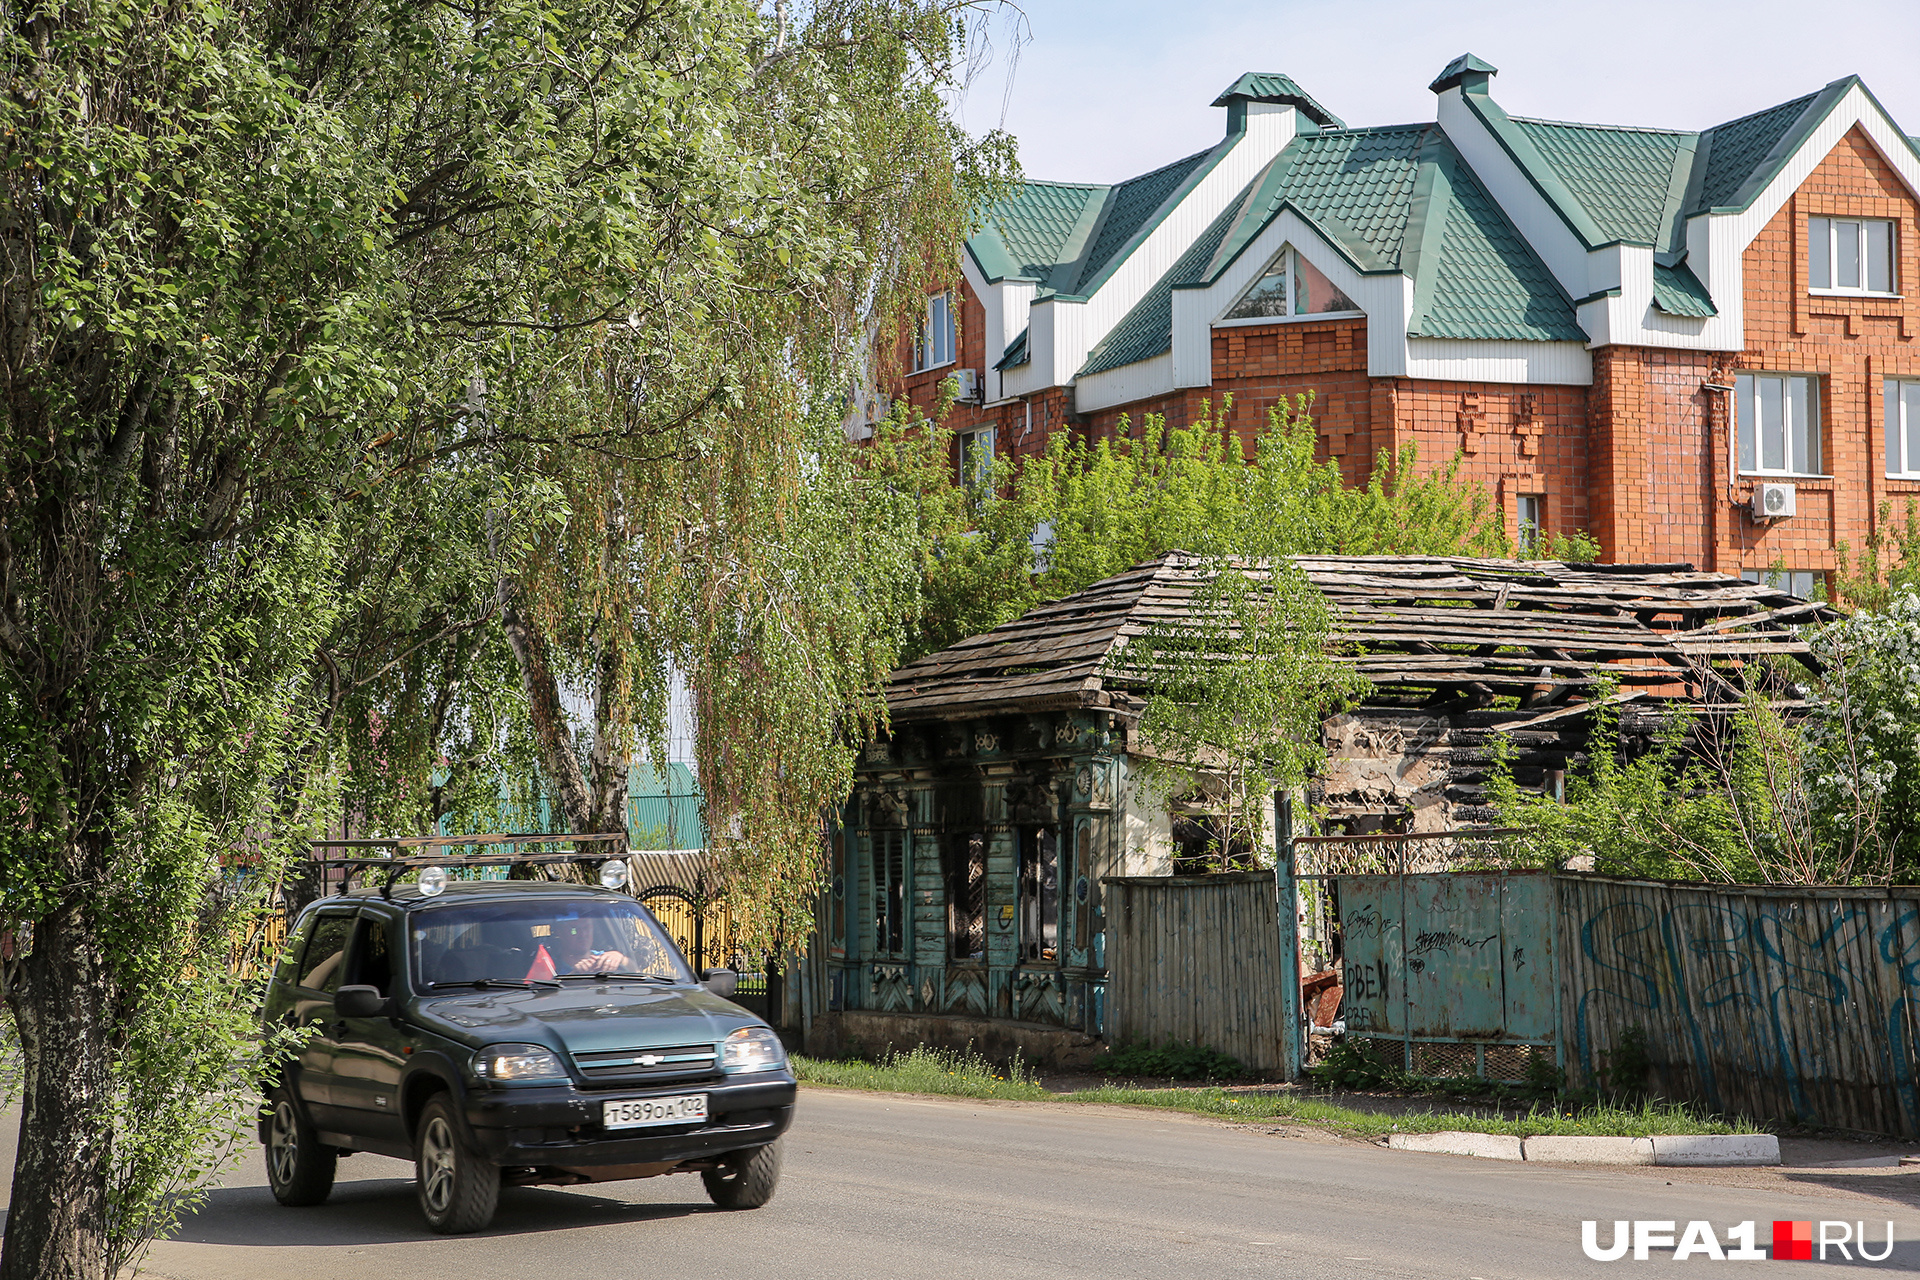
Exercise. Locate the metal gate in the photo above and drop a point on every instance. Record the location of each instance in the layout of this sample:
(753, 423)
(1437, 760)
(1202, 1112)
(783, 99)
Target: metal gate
(1445, 951)
(702, 928)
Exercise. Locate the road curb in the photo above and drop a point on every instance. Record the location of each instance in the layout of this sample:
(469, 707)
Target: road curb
(1575, 1149)
(1704, 1150)
(1486, 1146)
(1670, 1150)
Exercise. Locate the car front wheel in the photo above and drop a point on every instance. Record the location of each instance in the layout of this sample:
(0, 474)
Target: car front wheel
(745, 1179)
(458, 1190)
(299, 1167)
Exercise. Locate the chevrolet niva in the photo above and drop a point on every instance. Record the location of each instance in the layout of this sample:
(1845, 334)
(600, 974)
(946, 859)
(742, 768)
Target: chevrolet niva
(514, 1032)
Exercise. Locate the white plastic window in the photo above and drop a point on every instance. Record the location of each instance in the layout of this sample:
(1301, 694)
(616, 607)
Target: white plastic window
(976, 458)
(1291, 286)
(1850, 255)
(1530, 521)
(1779, 423)
(1903, 429)
(933, 344)
(1799, 582)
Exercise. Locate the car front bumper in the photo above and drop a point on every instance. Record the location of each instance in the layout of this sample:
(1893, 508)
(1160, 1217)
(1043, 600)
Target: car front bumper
(560, 1126)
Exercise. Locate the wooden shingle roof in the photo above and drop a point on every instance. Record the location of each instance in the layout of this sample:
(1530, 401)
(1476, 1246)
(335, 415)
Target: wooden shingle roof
(1404, 622)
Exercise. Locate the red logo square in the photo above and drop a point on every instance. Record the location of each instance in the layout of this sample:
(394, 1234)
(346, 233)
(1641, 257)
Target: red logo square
(1793, 1242)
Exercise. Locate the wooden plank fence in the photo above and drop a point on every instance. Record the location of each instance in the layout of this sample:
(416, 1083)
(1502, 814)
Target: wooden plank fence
(1779, 1003)
(1196, 959)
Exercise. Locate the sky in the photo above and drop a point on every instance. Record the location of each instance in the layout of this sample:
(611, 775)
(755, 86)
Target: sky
(1106, 89)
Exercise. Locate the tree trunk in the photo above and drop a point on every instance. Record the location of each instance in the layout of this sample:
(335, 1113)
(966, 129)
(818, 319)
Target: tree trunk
(56, 1229)
(552, 735)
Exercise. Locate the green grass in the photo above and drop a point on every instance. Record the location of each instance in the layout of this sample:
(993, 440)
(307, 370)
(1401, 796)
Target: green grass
(968, 1075)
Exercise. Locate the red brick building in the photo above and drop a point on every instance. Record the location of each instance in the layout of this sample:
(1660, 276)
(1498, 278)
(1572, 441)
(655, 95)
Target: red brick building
(1696, 346)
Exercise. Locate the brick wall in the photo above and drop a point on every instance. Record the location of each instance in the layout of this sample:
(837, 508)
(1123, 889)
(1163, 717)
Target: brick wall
(1644, 457)
(1853, 343)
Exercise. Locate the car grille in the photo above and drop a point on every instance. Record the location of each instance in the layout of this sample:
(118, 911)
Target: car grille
(649, 1065)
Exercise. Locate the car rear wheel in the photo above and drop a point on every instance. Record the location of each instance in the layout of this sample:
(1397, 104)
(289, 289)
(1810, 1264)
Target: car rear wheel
(745, 1179)
(299, 1167)
(458, 1190)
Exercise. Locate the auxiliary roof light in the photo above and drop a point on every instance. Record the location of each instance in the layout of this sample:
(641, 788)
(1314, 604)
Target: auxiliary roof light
(432, 881)
(613, 873)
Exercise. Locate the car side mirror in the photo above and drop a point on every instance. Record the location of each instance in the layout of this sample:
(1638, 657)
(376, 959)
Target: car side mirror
(720, 981)
(360, 1002)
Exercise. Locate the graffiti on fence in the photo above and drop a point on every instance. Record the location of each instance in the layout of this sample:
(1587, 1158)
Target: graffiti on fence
(1785, 1004)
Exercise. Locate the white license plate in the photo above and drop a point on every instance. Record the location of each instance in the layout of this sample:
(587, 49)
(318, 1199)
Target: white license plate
(638, 1113)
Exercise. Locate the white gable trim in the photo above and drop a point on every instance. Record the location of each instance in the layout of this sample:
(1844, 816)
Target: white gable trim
(1077, 327)
(1387, 299)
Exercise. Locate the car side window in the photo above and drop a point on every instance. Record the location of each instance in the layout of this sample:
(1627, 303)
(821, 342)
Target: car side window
(372, 957)
(320, 966)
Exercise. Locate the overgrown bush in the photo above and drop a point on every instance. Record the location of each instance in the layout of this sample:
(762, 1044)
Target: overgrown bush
(1173, 1061)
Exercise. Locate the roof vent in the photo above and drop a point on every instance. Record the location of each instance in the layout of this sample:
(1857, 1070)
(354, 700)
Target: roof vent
(1467, 71)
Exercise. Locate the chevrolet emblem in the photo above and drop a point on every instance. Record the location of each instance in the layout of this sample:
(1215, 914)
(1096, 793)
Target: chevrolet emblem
(649, 1059)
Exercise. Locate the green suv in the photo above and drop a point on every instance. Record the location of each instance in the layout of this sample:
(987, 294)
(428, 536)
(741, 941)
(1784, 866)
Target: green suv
(517, 1033)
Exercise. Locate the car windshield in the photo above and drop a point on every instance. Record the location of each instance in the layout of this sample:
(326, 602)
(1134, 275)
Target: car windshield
(541, 940)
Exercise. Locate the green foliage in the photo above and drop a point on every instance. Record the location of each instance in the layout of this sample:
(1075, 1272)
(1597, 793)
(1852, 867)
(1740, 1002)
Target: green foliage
(1237, 692)
(1629, 1065)
(1889, 563)
(1577, 547)
(368, 375)
(1352, 1064)
(1172, 1060)
(1081, 512)
(938, 1071)
(962, 1073)
(1827, 793)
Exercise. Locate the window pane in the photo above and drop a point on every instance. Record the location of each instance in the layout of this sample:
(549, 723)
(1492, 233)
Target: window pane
(320, 969)
(1268, 296)
(1819, 270)
(1315, 293)
(1773, 427)
(1802, 585)
(1910, 402)
(1880, 256)
(1749, 455)
(1892, 397)
(1804, 419)
(1846, 255)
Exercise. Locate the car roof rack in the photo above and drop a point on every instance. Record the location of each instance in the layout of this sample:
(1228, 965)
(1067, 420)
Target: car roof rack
(411, 853)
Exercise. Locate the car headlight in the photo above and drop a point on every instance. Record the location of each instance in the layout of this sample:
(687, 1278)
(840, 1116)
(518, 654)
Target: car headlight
(752, 1049)
(518, 1062)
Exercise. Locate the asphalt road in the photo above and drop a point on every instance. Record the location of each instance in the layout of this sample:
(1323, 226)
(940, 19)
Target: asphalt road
(880, 1186)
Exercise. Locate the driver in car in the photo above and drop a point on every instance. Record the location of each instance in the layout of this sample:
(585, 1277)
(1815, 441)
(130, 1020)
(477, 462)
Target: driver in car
(569, 949)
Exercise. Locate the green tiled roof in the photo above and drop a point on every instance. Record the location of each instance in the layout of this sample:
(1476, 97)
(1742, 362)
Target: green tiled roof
(1363, 189)
(1147, 330)
(1487, 282)
(1620, 175)
(1129, 206)
(1678, 292)
(1017, 353)
(1735, 150)
(1034, 226)
(1271, 86)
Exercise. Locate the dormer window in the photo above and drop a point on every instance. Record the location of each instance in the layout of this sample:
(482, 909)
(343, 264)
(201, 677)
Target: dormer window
(1850, 255)
(1291, 286)
(933, 340)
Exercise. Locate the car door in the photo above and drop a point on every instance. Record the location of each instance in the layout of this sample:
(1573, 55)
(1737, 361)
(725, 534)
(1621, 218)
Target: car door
(367, 1057)
(314, 984)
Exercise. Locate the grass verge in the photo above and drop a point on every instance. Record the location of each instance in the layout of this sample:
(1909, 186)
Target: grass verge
(968, 1075)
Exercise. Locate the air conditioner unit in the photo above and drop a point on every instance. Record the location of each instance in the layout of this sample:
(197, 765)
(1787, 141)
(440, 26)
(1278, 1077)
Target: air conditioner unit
(1772, 501)
(969, 382)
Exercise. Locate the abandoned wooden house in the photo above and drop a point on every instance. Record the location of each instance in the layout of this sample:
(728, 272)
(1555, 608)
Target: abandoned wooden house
(966, 900)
